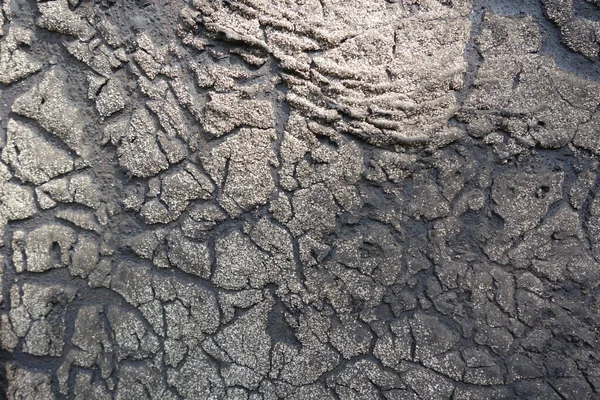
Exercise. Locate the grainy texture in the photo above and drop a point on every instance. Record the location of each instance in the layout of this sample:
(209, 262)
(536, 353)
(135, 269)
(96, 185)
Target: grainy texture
(299, 199)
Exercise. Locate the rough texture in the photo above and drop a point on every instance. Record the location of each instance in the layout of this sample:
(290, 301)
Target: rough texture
(273, 199)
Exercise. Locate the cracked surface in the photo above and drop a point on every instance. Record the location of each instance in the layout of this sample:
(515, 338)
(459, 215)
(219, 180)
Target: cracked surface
(267, 199)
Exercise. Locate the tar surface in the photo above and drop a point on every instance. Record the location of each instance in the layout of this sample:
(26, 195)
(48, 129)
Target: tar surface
(299, 199)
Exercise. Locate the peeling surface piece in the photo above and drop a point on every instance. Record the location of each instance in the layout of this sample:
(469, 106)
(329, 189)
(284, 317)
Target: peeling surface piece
(40, 246)
(225, 112)
(57, 17)
(111, 99)
(32, 157)
(242, 164)
(139, 151)
(26, 384)
(15, 63)
(16, 202)
(49, 105)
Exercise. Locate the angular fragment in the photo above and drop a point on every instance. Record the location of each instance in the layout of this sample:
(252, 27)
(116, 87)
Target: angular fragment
(242, 163)
(432, 336)
(86, 389)
(54, 191)
(351, 338)
(240, 263)
(136, 380)
(85, 256)
(82, 219)
(196, 378)
(48, 103)
(84, 191)
(170, 115)
(15, 63)
(38, 316)
(133, 282)
(225, 112)
(180, 187)
(587, 136)
(393, 347)
(149, 56)
(246, 339)
(40, 250)
(16, 202)
(314, 210)
(428, 384)
(79, 188)
(139, 152)
(57, 17)
(111, 98)
(28, 385)
(191, 257)
(155, 212)
(133, 338)
(33, 158)
(362, 379)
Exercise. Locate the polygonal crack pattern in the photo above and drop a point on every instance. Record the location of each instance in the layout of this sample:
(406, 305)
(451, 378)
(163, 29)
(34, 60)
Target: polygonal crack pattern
(316, 199)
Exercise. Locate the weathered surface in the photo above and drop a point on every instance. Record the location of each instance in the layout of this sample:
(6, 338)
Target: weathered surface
(267, 199)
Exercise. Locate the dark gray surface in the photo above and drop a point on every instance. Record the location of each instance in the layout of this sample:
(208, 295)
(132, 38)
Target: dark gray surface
(218, 215)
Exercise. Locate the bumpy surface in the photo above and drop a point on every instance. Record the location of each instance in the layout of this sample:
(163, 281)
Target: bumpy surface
(299, 199)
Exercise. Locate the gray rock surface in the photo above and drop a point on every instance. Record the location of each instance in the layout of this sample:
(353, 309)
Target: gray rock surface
(272, 199)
